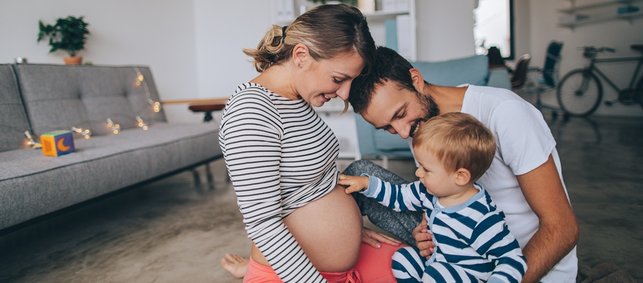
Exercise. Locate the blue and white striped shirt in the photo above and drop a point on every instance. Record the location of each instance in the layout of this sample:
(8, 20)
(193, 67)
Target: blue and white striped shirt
(472, 235)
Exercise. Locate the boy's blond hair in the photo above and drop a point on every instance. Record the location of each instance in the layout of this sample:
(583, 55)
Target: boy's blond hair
(458, 140)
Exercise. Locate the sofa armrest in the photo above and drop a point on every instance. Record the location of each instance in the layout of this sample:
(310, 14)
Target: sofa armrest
(499, 77)
(468, 70)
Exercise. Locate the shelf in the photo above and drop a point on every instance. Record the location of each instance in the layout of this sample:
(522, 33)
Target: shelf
(603, 19)
(600, 12)
(572, 10)
(384, 15)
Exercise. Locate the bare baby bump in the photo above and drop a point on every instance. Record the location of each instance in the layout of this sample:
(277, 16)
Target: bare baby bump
(328, 230)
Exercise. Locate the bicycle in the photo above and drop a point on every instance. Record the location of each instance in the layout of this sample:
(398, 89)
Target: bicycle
(580, 91)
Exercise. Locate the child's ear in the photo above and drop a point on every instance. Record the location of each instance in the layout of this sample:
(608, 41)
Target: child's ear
(462, 177)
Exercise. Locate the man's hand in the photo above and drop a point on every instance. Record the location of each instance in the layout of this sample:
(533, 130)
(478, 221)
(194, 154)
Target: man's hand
(423, 239)
(353, 183)
(375, 239)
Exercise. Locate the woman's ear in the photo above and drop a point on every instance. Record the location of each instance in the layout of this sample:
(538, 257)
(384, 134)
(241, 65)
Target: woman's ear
(462, 177)
(418, 79)
(300, 55)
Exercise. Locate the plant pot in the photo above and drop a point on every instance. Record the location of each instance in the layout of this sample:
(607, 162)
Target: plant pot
(76, 60)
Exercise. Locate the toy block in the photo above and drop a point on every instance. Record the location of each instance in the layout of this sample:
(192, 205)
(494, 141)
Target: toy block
(57, 143)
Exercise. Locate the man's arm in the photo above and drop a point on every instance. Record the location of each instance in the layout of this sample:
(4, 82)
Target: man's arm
(557, 230)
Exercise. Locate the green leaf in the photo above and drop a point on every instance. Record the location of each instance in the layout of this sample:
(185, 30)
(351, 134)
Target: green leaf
(68, 34)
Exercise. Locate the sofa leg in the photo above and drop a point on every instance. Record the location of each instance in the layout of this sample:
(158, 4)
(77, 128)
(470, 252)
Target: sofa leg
(209, 177)
(197, 179)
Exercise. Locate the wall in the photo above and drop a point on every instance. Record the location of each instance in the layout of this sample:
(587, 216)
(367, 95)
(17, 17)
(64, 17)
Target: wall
(194, 47)
(146, 32)
(444, 29)
(222, 31)
(618, 34)
(522, 31)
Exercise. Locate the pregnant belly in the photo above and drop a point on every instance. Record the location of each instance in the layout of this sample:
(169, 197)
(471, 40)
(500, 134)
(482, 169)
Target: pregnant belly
(329, 231)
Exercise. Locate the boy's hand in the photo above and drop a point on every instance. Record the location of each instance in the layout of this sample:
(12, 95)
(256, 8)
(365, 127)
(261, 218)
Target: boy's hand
(424, 239)
(353, 183)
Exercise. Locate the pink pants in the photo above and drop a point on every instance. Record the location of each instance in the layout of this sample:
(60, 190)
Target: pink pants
(373, 266)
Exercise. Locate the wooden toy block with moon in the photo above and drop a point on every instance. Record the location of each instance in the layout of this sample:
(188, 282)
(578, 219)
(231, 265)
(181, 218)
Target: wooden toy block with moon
(57, 143)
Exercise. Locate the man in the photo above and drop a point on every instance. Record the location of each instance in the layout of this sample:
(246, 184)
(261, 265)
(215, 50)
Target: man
(524, 179)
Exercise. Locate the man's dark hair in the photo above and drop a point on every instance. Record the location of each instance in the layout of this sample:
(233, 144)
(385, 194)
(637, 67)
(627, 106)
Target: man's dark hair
(387, 66)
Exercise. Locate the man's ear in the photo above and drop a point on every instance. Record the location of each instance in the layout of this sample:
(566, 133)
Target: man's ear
(462, 177)
(300, 55)
(417, 78)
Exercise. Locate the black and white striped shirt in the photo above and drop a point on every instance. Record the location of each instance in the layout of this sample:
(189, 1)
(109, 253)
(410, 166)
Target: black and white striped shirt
(280, 156)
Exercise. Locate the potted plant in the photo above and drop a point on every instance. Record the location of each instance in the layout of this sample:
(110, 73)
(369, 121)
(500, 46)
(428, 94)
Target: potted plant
(68, 34)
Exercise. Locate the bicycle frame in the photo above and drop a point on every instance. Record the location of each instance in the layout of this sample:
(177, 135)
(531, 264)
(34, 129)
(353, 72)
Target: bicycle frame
(602, 75)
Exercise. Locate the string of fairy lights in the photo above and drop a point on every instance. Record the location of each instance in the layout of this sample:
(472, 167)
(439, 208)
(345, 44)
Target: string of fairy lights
(113, 126)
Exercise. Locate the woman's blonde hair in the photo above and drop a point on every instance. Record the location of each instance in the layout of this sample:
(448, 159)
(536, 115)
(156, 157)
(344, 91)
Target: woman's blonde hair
(458, 140)
(326, 30)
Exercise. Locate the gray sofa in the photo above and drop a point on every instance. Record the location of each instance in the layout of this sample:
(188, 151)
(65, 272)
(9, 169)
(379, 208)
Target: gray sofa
(42, 98)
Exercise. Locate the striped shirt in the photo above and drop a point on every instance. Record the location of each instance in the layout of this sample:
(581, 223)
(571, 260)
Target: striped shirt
(472, 235)
(280, 156)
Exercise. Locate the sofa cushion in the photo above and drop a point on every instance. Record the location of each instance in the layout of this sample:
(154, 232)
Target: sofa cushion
(468, 70)
(13, 119)
(32, 184)
(60, 97)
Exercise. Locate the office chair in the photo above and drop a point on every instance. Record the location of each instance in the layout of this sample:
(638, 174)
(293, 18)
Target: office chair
(519, 77)
(540, 80)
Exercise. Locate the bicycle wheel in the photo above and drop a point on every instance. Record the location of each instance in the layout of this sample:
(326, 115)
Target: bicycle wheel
(579, 93)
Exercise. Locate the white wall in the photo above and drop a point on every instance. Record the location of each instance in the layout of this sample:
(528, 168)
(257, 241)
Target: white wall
(159, 34)
(522, 32)
(222, 31)
(444, 29)
(618, 34)
(194, 47)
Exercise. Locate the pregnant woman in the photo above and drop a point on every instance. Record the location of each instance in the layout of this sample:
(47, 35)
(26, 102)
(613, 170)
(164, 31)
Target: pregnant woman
(281, 155)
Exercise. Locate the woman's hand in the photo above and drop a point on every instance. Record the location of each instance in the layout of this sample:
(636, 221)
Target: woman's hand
(353, 183)
(423, 239)
(375, 239)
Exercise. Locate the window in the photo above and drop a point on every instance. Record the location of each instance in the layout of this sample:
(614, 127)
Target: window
(493, 26)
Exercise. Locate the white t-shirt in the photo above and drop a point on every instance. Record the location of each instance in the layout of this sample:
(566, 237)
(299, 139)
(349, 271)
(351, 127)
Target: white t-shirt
(524, 142)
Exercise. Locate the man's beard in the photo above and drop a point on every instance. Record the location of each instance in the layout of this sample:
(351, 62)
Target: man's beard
(431, 109)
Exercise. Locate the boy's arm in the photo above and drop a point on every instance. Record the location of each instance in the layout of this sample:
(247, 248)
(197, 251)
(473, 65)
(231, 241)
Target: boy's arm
(353, 183)
(402, 197)
(492, 239)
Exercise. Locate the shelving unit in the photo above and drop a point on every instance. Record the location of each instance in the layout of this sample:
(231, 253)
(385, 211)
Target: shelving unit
(401, 11)
(384, 15)
(599, 12)
(343, 125)
(406, 31)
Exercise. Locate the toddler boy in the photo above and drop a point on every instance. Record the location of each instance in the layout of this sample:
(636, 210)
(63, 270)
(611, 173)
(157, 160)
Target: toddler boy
(471, 237)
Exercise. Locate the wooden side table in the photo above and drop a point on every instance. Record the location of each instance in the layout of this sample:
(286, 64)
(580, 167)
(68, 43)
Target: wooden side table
(207, 109)
(206, 106)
